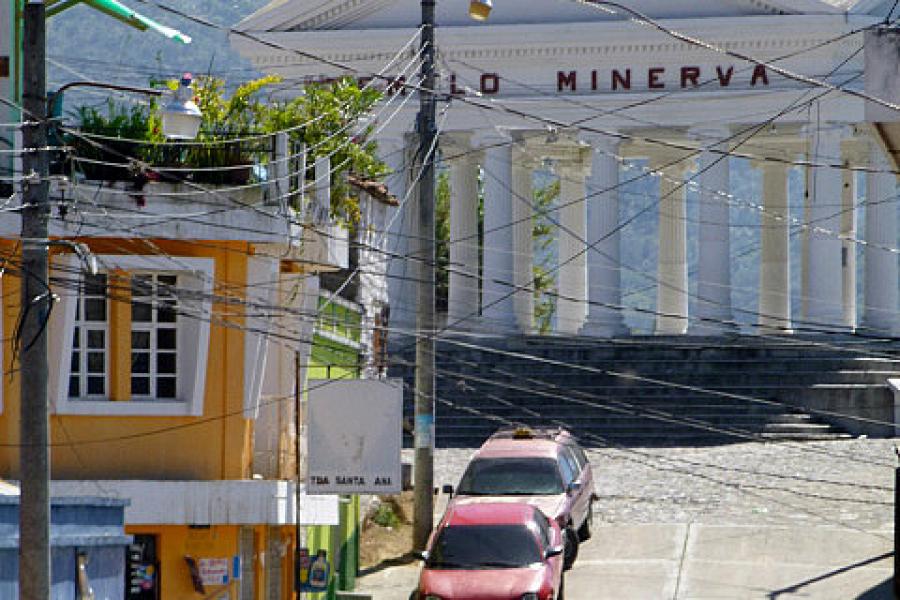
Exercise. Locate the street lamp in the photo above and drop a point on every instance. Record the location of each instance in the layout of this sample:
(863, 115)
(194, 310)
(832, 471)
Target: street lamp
(181, 117)
(480, 9)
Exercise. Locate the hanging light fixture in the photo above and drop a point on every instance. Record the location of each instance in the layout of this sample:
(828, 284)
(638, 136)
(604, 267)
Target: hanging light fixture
(480, 9)
(181, 117)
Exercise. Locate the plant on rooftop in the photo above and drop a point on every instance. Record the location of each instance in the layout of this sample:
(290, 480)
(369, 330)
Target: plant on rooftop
(327, 118)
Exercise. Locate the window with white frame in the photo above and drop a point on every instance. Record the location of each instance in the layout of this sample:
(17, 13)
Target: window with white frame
(154, 336)
(168, 341)
(90, 349)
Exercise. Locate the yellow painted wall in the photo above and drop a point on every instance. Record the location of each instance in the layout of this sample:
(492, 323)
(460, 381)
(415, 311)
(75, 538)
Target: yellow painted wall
(214, 446)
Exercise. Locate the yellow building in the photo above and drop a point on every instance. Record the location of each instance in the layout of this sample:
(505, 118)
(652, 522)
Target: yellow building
(173, 375)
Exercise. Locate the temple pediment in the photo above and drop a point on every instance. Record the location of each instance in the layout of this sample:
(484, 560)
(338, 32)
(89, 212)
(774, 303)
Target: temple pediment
(294, 15)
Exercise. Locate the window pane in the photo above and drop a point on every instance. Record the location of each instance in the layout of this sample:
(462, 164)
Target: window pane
(140, 362)
(95, 339)
(166, 284)
(140, 340)
(165, 339)
(96, 362)
(165, 363)
(141, 313)
(74, 387)
(95, 309)
(140, 386)
(141, 286)
(166, 312)
(76, 362)
(76, 337)
(95, 285)
(96, 386)
(165, 387)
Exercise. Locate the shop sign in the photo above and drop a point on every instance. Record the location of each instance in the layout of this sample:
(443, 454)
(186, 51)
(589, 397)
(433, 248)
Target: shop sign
(355, 429)
(213, 571)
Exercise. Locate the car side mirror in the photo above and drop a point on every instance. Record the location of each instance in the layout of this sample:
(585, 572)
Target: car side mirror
(552, 551)
(573, 488)
(447, 489)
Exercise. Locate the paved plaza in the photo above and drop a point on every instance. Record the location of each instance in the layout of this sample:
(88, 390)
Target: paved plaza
(768, 521)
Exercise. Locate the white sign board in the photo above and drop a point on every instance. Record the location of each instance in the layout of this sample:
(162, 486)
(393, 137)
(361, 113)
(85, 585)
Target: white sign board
(355, 429)
(318, 510)
(213, 571)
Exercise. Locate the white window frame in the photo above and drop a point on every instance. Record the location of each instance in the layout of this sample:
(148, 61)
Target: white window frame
(83, 325)
(263, 274)
(192, 338)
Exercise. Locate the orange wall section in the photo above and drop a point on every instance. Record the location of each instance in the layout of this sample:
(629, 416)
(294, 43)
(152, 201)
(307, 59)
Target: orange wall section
(213, 446)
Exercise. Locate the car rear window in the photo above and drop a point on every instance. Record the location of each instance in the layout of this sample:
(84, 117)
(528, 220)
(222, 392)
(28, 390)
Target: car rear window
(511, 476)
(484, 547)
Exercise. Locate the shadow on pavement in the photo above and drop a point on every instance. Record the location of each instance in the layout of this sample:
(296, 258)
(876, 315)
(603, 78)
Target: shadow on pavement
(397, 561)
(882, 591)
(793, 589)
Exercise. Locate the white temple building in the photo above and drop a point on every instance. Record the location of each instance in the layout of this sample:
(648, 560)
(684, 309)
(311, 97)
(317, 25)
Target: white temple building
(570, 85)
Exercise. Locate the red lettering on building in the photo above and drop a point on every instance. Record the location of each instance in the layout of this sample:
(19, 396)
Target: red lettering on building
(691, 74)
(618, 80)
(564, 79)
(490, 83)
(453, 89)
(724, 78)
(759, 72)
(653, 81)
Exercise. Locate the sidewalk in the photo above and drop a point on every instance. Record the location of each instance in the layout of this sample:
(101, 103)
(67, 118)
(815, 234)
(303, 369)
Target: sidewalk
(682, 561)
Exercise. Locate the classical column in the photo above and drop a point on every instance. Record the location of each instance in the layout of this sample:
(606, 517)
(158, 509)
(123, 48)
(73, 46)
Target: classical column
(775, 264)
(604, 318)
(714, 314)
(825, 302)
(497, 287)
(462, 297)
(522, 231)
(880, 297)
(402, 224)
(672, 273)
(848, 248)
(572, 232)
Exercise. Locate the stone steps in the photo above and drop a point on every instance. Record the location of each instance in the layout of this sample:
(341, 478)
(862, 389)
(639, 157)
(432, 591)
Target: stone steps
(769, 385)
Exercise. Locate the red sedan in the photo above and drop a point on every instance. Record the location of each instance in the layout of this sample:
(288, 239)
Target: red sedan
(493, 551)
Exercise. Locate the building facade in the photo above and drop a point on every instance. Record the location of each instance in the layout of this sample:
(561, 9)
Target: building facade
(171, 302)
(601, 100)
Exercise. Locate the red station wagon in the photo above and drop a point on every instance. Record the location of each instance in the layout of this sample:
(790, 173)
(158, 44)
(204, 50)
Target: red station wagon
(543, 467)
(493, 551)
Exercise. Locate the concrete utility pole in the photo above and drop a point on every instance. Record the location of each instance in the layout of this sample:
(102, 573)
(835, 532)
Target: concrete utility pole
(34, 507)
(425, 259)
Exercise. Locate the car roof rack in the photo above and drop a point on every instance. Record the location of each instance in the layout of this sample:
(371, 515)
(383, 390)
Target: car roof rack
(525, 432)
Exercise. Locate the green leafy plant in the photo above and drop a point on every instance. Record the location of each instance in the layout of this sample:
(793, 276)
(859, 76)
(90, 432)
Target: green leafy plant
(326, 118)
(386, 516)
(116, 120)
(544, 233)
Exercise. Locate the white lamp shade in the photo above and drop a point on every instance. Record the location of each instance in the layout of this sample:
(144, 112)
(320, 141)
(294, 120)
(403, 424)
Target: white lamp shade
(181, 117)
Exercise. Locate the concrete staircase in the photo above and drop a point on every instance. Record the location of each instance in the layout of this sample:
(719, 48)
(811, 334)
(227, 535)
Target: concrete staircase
(661, 391)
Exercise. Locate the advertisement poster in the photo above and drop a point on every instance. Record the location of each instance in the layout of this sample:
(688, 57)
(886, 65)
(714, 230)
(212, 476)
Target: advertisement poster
(312, 573)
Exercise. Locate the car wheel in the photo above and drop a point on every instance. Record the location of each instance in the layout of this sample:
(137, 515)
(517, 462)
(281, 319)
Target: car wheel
(571, 552)
(584, 532)
(561, 593)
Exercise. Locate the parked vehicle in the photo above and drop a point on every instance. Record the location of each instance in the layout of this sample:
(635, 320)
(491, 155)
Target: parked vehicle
(544, 467)
(493, 551)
